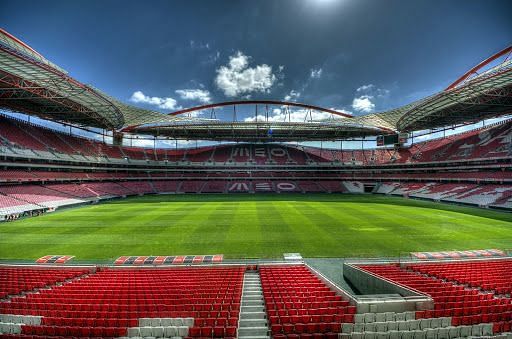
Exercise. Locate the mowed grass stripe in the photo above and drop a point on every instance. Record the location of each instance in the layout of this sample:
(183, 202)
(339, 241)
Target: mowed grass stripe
(263, 226)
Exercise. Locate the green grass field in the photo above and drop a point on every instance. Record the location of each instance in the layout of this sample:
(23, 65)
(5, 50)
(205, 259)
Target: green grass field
(262, 226)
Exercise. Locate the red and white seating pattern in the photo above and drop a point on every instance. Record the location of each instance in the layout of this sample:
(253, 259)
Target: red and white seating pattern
(298, 302)
(76, 190)
(500, 176)
(487, 275)
(10, 205)
(481, 195)
(139, 187)
(489, 142)
(108, 188)
(190, 302)
(354, 186)
(14, 280)
(166, 186)
(21, 198)
(464, 305)
(38, 195)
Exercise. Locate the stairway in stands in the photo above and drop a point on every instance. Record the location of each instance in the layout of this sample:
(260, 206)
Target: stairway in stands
(253, 323)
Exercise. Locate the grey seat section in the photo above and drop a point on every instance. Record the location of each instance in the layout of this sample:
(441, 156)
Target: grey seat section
(146, 331)
(158, 331)
(347, 328)
(182, 331)
(170, 331)
(133, 332)
(418, 334)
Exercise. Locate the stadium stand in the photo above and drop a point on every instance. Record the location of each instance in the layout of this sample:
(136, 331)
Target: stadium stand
(139, 187)
(310, 186)
(15, 280)
(464, 305)
(184, 302)
(488, 275)
(354, 186)
(299, 303)
(492, 142)
(75, 190)
(108, 188)
(472, 298)
(468, 168)
(214, 187)
(166, 186)
(20, 198)
(38, 195)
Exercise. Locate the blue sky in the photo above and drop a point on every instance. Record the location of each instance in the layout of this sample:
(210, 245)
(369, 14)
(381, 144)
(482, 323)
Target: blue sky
(314, 51)
(358, 56)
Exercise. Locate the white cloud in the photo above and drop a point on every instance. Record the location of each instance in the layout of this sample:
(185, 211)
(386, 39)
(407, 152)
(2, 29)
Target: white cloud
(201, 95)
(199, 45)
(367, 96)
(164, 103)
(316, 73)
(382, 93)
(292, 96)
(365, 88)
(297, 115)
(210, 58)
(363, 104)
(237, 78)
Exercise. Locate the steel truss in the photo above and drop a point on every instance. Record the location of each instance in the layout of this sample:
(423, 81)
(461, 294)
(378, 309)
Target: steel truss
(33, 85)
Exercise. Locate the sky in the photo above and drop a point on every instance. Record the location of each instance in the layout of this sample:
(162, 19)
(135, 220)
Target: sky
(357, 56)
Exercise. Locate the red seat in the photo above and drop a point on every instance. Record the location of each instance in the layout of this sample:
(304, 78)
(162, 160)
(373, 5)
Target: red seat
(218, 331)
(230, 331)
(311, 328)
(299, 328)
(288, 328)
(276, 328)
(194, 331)
(206, 331)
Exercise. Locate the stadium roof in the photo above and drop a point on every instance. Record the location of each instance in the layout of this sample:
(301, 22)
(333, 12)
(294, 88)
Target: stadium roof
(31, 84)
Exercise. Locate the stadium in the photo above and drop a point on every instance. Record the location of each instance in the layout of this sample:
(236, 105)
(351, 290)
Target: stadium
(253, 218)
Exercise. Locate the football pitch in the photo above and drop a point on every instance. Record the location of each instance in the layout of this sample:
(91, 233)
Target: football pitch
(256, 226)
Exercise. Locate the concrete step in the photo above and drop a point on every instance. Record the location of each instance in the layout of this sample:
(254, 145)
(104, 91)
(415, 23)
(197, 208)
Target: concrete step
(253, 297)
(251, 294)
(246, 302)
(252, 309)
(252, 323)
(253, 331)
(253, 315)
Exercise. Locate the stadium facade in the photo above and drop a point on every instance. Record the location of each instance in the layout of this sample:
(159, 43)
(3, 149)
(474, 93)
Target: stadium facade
(44, 169)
